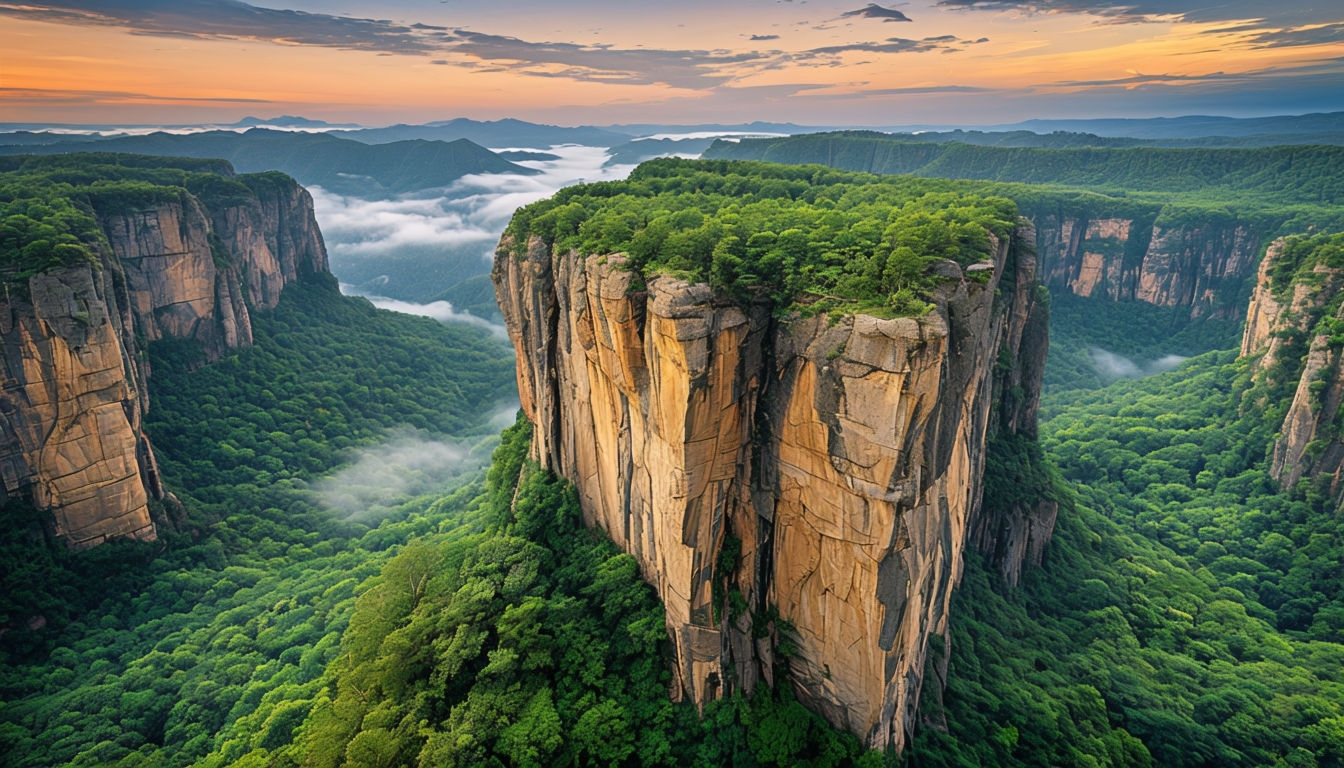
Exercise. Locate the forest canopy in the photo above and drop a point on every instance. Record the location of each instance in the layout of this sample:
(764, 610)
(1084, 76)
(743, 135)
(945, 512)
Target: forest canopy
(788, 234)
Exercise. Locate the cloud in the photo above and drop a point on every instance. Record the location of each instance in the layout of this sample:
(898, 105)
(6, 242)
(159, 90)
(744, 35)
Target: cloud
(231, 19)
(875, 11)
(235, 20)
(407, 464)
(693, 69)
(1265, 14)
(761, 38)
(1304, 79)
(1319, 34)
(1112, 366)
(438, 310)
(358, 226)
(892, 45)
(53, 96)
(860, 93)
(413, 250)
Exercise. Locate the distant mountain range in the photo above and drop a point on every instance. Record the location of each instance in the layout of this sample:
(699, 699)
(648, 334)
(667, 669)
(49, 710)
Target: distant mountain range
(340, 165)
(393, 160)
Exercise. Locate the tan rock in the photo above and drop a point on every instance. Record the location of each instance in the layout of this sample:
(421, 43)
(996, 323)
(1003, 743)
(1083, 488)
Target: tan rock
(846, 458)
(74, 379)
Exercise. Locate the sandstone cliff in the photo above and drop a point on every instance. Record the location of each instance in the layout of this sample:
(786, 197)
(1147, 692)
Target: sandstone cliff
(1295, 323)
(794, 478)
(1202, 267)
(73, 340)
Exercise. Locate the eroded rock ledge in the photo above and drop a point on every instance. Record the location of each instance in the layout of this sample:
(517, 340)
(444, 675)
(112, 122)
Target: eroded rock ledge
(822, 471)
(72, 346)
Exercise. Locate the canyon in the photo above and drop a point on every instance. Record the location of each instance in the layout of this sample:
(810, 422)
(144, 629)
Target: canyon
(75, 337)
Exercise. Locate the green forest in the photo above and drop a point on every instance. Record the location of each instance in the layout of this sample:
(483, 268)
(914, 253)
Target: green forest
(790, 236)
(1188, 612)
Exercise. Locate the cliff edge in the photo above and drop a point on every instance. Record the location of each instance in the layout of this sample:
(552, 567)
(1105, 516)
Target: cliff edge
(810, 481)
(73, 336)
(1295, 323)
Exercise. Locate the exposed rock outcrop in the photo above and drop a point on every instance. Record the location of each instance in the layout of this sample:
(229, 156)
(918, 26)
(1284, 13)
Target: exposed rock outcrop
(74, 363)
(798, 477)
(1203, 267)
(1297, 329)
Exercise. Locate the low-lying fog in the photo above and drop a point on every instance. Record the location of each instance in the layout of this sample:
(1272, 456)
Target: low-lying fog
(430, 253)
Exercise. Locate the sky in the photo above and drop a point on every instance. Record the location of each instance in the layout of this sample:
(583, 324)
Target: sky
(811, 62)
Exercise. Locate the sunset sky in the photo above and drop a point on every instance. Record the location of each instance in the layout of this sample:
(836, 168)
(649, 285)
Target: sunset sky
(813, 62)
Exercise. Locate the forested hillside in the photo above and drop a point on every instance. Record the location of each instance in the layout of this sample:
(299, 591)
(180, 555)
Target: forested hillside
(344, 578)
(1302, 173)
(157, 654)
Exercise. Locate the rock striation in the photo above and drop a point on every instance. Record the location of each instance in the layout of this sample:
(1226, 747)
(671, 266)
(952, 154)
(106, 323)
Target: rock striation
(807, 480)
(72, 345)
(1202, 266)
(1297, 330)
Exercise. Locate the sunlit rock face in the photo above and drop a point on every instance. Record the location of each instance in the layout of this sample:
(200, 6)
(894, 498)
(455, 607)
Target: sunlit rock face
(73, 346)
(1200, 266)
(1289, 329)
(812, 480)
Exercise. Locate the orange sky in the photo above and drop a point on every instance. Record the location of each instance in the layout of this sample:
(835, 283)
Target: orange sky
(969, 62)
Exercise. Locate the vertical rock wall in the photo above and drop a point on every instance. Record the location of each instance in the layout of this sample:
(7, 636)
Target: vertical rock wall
(1202, 267)
(74, 367)
(1299, 351)
(837, 464)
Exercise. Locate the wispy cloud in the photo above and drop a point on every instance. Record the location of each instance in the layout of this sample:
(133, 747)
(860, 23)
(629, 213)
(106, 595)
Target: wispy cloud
(1112, 366)
(442, 311)
(407, 464)
(235, 20)
(231, 19)
(1308, 76)
(892, 45)
(1316, 34)
(68, 96)
(402, 254)
(631, 66)
(1264, 14)
(875, 11)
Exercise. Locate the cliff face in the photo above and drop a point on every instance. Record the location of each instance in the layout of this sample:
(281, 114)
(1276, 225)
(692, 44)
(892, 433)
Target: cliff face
(824, 474)
(1298, 331)
(1202, 267)
(73, 357)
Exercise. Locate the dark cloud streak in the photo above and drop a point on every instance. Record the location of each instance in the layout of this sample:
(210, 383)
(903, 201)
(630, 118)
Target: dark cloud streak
(236, 20)
(875, 11)
(1266, 15)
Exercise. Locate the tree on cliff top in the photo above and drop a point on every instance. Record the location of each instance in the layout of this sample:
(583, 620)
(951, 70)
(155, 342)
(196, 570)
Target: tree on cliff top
(793, 234)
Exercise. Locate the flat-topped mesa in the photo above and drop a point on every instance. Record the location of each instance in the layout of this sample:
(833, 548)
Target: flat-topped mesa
(74, 363)
(1295, 323)
(808, 479)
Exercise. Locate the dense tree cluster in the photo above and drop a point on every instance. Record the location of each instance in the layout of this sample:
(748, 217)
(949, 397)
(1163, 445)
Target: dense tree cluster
(790, 235)
(1188, 612)
(220, 632)
(49, 205)
(1304, 174)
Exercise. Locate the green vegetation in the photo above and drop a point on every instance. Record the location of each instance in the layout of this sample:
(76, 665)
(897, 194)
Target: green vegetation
(1188, 613)
(49, 205)
(337, 164)
(799, 234)
(1303, 174)
(534, 643)
(219, 633)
